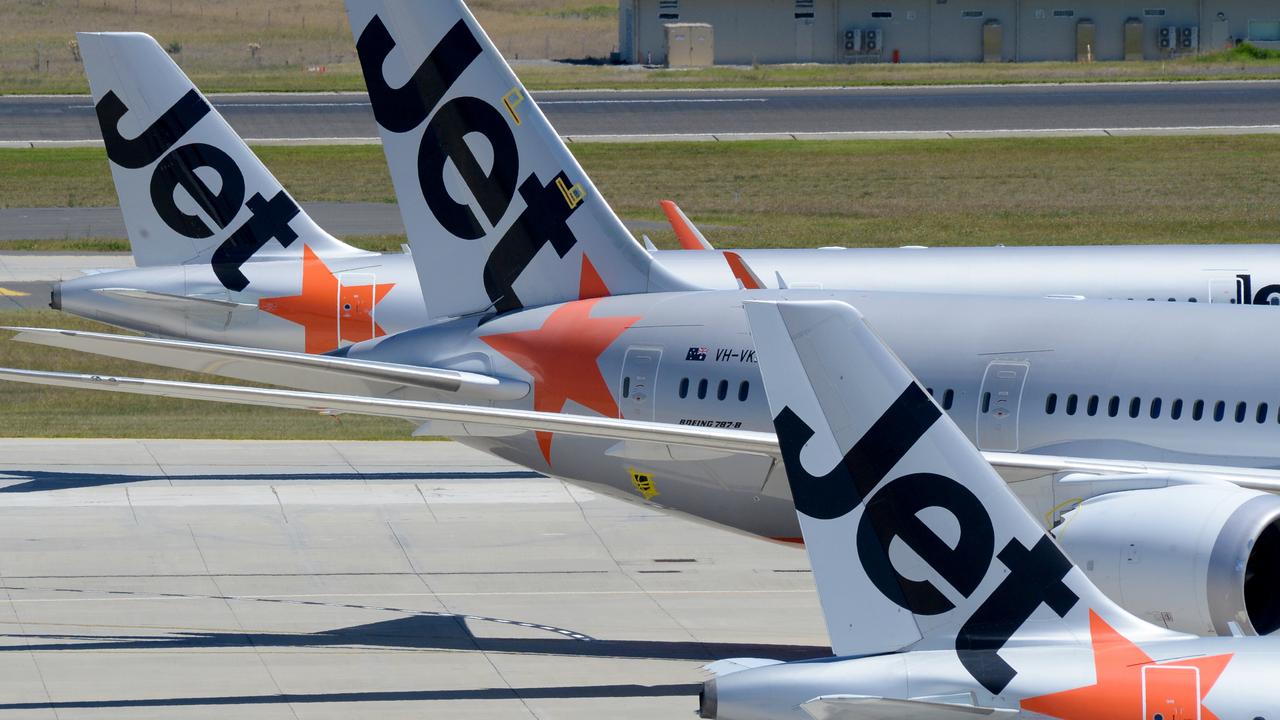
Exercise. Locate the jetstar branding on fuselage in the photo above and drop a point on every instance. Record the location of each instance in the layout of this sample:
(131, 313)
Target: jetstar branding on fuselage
(547, 206)
(177, 166)
(893, 510)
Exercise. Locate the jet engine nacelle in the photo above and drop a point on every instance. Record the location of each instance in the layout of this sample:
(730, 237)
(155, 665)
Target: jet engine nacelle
(1189, 557)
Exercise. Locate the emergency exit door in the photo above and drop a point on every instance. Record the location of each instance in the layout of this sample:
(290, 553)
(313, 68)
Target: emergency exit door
(1170, 692)
(998, 403)
(804, 39)
(639, 377)
(357, 293)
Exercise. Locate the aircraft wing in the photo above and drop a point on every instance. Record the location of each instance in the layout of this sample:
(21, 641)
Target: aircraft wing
(278, 367)
(861, 707)
(738, 441)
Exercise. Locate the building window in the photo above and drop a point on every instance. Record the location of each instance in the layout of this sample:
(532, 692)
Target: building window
(972, 14)
(1153, 12)
(668, 9)
(684, 388)
(804, 9)
(1264, 30)
(882, 14)
(1064, 13)
(1051, 403)
(1071, 403)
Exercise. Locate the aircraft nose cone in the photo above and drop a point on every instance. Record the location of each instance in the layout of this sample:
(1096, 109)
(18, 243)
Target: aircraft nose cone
(55, 296)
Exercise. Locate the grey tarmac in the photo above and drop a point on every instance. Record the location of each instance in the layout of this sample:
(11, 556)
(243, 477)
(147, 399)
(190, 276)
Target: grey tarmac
(929, 111)
(194, 579)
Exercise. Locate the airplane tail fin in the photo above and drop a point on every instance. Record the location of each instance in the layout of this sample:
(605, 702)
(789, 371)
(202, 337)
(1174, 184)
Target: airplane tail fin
(913, 538)
(190, 190)
(499, 213)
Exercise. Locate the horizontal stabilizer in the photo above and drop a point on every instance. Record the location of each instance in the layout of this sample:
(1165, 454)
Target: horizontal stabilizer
(278, 367)
(861, 707)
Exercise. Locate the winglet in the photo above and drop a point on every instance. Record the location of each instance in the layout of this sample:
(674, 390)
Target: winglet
(690, 237)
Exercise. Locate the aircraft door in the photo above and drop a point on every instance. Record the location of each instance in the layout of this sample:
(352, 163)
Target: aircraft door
(998, 405)
(639, 378)
(1225, 290)
(1170, 692)
(355, 306)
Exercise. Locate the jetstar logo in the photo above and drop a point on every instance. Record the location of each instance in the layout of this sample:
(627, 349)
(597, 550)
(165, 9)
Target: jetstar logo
(892, 510)
(1130, 684)
(180, 167)
(329, 310)
(447, 140)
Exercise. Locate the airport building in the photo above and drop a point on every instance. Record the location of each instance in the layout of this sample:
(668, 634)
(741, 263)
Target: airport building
(740, 32)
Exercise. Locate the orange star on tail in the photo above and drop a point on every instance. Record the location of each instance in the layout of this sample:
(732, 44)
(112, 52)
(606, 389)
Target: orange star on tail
(328, 310)
(562, 357)
(1120, 691)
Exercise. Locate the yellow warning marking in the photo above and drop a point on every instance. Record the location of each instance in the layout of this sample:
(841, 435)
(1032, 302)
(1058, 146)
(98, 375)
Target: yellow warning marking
(1048, 517)
(572, 195)
(512, 100)
(644, 483)
(6, 292)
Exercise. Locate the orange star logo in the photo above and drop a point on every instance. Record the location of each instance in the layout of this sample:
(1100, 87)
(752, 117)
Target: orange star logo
(562, 358)
(328, 310)
(1132, 685)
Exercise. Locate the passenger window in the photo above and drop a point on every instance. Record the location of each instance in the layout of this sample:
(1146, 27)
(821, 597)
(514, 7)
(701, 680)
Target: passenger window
(722, 390)
(986, 402)
(1241, 411)
(1113, 406)
(1219, 411)
(930, 391)
(1262, 413)
(1051, 403)
(744, 388)
(1072, 401)
(702, 389)
(1197, 410)
(1135, 407)
(1155, 408)
(1093, 405)
(684, 388)
(1192, 300)
(626, 387)
(1175, 410)
(948, 398)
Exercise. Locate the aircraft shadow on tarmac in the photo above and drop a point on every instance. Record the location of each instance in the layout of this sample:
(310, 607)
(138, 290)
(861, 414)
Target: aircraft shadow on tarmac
(415, 632)
(44, 480)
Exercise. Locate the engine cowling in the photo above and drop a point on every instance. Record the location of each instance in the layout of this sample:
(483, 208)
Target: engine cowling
(1189, 557)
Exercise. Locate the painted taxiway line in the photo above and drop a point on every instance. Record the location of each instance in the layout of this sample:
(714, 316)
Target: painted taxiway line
(750, 136)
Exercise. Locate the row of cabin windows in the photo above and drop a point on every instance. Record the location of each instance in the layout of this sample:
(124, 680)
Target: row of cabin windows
(948, 397)
(722, 389)
(1155, 408)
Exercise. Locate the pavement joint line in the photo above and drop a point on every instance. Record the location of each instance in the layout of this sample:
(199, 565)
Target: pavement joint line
(805, 136)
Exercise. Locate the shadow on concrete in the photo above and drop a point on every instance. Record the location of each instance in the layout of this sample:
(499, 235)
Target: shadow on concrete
(536, 693)
(415, 632)
(44, 480)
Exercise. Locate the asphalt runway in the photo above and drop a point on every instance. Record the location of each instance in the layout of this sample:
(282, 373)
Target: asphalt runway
(584, 115)
(211, 579)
